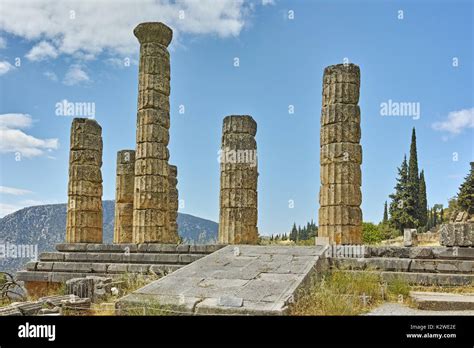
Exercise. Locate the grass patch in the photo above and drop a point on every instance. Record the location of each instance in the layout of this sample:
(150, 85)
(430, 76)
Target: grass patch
(347, 293)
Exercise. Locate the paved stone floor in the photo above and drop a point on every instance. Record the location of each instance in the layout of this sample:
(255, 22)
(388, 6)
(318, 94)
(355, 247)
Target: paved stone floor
(242, 280)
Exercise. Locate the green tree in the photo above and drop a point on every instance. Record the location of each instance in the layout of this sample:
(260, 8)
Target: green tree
(422, 201)
(466, 193)
(385, 213)
(294, 233)
(402, 207)
(370, 233)
(413, 177)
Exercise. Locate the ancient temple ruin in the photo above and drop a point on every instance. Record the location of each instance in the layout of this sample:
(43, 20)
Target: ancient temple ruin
(239, 173)
(84, 209)
(124, 190)
(173, 200)
(151, 200)
(340, 197)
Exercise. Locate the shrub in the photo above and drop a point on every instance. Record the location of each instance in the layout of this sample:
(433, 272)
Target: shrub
(387, 231)
(370, 233)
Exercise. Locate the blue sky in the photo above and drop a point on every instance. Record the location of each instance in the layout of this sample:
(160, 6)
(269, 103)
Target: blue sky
(76, 51)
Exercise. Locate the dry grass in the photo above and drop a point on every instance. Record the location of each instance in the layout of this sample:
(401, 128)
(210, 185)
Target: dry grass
(348, 293)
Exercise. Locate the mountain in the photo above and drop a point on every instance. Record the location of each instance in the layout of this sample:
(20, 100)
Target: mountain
(44, 226)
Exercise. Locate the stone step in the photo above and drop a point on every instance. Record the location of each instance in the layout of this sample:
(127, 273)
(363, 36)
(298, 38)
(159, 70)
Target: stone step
(115, 257)
(405, 264)
(440, 301)
(441, 279)
(447, 253)
(426, 279)
(109, 268)
(138, 248)
(54, 273)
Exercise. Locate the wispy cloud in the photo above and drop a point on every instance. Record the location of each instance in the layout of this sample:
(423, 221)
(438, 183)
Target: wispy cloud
(3, 43)
(5, 67)
(6, 208)
(14, 191)
(456, 122)
(13, 139)
(51, 75)
(9, 208)
(42, 51)
(75, 75)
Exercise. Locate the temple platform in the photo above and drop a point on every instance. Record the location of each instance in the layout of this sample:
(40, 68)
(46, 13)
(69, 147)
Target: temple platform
(112, 260)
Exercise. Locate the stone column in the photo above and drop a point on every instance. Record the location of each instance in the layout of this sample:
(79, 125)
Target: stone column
(173, 201)
(84, 210)
(340, 216)
(125, 181)
(150, 204)
(238, 193)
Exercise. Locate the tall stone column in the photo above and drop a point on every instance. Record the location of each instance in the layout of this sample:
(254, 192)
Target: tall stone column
(173, 201)
(340, 216)
(125, 181)
(150, 209)
(84, 209)
(238, 193)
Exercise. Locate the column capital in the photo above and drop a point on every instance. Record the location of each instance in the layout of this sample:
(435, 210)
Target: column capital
(156, 32)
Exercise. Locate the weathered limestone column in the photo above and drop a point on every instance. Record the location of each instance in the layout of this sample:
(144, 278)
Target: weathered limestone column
(340, 216)
(84, 209)
(150, 204)
(173, 201)
(125, 181)
(238, 193)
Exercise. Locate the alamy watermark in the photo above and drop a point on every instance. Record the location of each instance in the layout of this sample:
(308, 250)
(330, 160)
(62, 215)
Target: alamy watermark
(405, 109)
(75, 109)
(16, 251)
(237, 156)
(354, 251)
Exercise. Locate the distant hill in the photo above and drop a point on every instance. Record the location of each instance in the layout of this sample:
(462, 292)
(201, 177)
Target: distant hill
(45, 226)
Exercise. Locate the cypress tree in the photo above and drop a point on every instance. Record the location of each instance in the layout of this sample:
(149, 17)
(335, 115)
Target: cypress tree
(413, 177)
(466, 193)
(402, 209)
(385, 213)
(422, 201)
(294, 233)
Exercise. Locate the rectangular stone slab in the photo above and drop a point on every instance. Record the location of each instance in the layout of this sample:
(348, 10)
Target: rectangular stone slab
(265, 279)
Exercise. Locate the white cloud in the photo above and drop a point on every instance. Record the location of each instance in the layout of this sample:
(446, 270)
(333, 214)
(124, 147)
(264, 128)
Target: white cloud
(15, 121)
(456, 121)
(9, 208)
(13, 139)
(42, 51)
(13, 191)
(6, 209)
(3, 43)
(268, 2)
(5, 67)
(51, 75)
(91, 27)
(75, 75)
